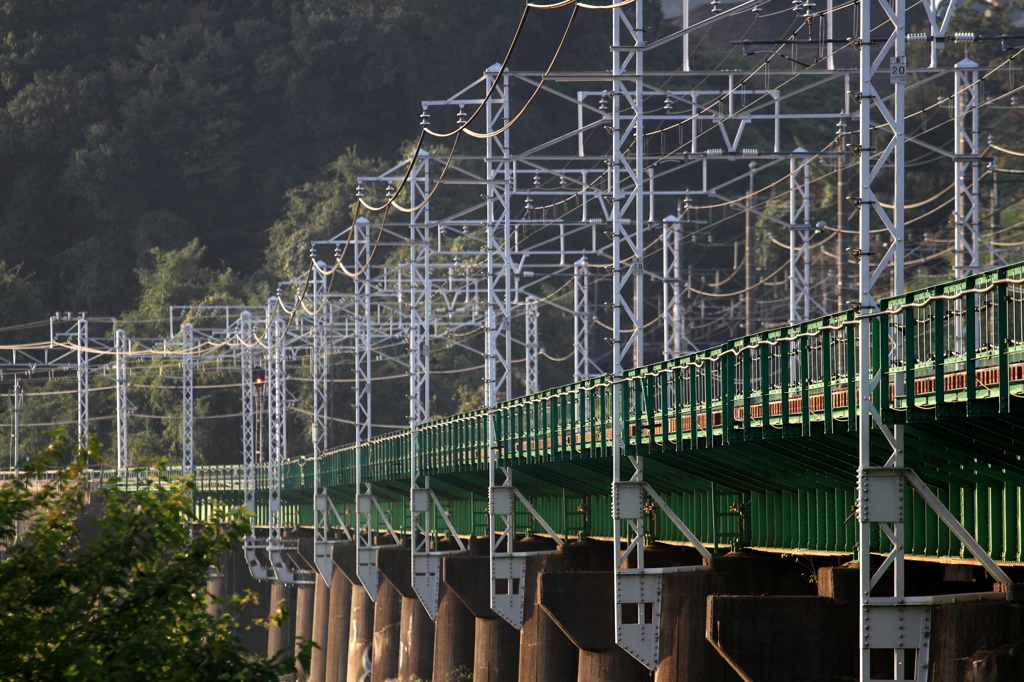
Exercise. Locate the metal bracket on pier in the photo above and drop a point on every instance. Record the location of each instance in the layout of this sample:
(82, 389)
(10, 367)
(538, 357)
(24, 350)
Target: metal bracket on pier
(638, 589)
(366, 545)
(426, 562)
(508, 567)
(323, 546)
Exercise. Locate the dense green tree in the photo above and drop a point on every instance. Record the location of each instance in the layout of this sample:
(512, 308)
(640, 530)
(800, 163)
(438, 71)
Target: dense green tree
(121, 597)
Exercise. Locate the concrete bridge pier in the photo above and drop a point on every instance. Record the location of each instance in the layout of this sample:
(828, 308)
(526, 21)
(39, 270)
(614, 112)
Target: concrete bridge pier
(305, 604)
(416, 630)
(321, 616)
(495, 642)
(338, 619)
(453, 637)
(387, 619)
(580, 603)
(496, 651)
(279, 637)
(232, 578)
(545, 653)
(360, 638)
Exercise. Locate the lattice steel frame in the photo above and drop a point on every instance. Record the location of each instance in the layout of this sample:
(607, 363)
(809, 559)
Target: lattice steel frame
(799, 238)
(82, 352)
(188, 365)
(966, 170)
(121, 381)
(583, 366)
(532, 343)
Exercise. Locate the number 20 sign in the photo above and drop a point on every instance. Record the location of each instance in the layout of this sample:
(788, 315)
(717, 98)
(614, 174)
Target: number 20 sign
(897, 70)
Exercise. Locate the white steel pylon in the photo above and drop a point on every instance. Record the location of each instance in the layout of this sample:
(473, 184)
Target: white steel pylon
(251, 546)
(893, 622)
(319, 369)
(532, 343)
(507, 567)
(366, 503)
(425, 557)
(966, 170)
(187, 399)
(123, 406)
(583, 365)
(83, 379)
(799, 237)
(637, 590)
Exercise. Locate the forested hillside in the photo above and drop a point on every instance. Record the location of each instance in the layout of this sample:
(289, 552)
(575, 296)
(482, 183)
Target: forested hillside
(128, 126)
(173, 152)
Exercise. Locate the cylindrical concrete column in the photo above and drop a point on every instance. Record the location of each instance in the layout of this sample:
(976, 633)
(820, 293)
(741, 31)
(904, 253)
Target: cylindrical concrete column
(453, 638)
(339, 613)
(360, 637)
(496, 651)
(304, 604)
(278, 636)
(216, 590)
(545, 653)
(387, 619)
(614, 665)
(321, 607)
(416, 654)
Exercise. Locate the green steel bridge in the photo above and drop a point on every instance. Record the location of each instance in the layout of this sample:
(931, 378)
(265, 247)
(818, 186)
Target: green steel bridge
(751, 443)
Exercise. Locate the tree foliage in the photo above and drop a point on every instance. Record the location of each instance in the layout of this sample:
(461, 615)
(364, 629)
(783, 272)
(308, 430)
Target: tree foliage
(127, 603)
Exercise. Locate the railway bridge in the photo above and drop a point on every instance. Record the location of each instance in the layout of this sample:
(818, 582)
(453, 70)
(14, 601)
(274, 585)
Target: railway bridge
(719, 538)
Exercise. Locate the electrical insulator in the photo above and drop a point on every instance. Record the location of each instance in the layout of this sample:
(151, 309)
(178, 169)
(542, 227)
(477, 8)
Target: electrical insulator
(536, 179)
(424, 119)
(360, 191)
(603, 104)
(668, 104)
(390, 192)
(529, 203)
(462, 118)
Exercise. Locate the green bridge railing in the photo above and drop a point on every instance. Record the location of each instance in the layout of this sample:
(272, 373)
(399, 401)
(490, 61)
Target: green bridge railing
(752, 440)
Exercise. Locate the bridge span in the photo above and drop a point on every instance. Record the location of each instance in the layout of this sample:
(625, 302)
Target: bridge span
(749, 474)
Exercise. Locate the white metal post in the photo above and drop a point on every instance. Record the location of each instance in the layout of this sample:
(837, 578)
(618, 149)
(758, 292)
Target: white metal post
(532, 343)
(323, 550)
(886, 481)
(507, 572)
(581, 321)
(83, 379)
(672, 288)
(187, 399)
(276, 451)
(121, 381)
(966, 163)
(366, 556)
(247, 342)
(799, 237)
